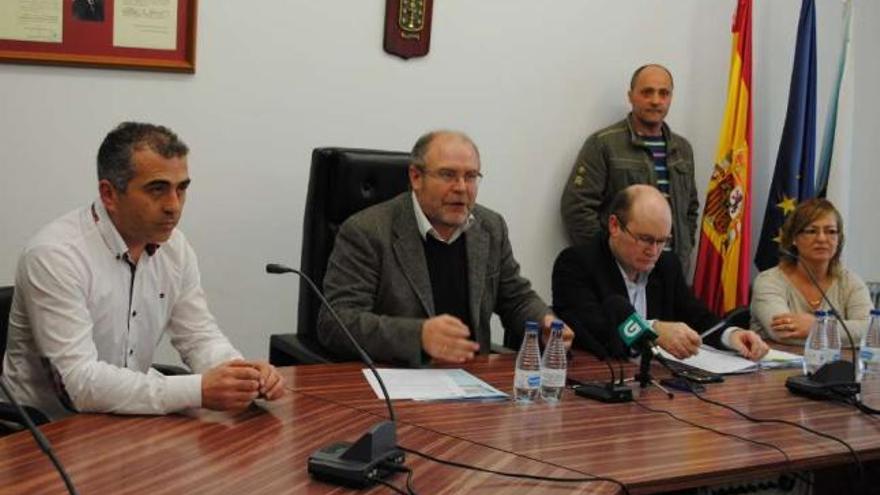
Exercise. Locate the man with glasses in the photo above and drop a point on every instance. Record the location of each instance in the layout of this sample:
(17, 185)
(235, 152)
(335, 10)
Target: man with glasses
(629, 260)
(417, 278)
(640, 149)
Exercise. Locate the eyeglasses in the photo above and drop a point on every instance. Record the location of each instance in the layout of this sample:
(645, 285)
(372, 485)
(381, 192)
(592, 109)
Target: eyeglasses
(449, 177)
(647, 241)
(815, 231)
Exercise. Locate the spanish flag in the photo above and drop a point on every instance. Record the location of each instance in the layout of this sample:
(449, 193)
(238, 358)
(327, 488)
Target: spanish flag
(721, 278)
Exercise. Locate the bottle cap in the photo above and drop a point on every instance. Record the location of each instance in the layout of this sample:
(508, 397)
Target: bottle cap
(557, 324)
(875, 312)
(820, 312)
(531, 326)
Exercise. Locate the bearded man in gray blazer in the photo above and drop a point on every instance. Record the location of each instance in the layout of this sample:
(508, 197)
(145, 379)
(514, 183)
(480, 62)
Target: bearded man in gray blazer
(417, 278)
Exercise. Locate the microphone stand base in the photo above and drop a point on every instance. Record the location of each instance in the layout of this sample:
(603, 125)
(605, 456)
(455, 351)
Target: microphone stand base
(833, 380)
(358, 464)
(604, 392)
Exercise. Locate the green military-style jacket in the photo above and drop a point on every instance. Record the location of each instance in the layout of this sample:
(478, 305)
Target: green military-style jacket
(616, 157)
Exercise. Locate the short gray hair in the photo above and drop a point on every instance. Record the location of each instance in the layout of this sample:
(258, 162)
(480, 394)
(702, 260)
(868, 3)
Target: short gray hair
(423, 143)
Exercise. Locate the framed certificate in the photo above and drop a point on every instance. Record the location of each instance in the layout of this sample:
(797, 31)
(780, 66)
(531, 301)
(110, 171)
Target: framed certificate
(127, 34)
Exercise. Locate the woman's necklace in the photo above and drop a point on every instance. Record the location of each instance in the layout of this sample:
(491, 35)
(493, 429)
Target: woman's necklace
(808, 287)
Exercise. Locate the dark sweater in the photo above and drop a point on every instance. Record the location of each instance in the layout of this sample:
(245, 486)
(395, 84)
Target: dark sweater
(448, 270)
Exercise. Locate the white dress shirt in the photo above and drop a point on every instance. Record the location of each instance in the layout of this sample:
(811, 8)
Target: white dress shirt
(85, 322)
(638, 297)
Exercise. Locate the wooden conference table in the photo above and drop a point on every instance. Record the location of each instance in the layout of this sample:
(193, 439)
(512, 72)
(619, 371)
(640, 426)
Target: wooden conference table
(264, 449)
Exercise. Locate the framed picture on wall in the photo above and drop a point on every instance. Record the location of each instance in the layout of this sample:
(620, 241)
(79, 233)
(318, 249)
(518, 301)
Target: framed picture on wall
(127, 34)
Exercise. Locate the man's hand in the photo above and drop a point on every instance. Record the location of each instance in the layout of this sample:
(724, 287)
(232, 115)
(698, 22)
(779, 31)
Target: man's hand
(677, 338)
(792, 325)
(749, 344)
(230, 386)
(271, 383)
(567, 333)
(445, 338)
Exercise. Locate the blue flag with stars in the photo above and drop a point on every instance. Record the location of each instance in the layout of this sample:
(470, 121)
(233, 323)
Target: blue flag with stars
(795, 161)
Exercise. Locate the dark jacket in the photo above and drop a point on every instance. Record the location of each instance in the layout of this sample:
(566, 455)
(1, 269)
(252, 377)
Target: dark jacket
(585, 276)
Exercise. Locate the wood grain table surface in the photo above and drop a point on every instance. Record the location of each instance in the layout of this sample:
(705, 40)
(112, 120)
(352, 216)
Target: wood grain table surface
(264, 449)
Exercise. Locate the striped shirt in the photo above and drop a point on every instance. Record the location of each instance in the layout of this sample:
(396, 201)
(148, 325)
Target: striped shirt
(656, 148)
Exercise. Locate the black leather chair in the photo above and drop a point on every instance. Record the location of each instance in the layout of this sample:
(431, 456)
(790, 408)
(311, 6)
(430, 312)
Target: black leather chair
(342, 181)
(8, 412)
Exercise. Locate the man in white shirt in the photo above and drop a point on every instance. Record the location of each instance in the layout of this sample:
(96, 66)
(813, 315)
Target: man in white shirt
(96, 289)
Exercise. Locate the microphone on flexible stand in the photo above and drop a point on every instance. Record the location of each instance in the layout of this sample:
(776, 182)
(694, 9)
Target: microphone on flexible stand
(832, 380)
(613, 391)
(636, 332)
(41, 440)
(362, 463)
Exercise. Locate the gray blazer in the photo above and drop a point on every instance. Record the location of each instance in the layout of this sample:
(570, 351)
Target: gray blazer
(377, 280)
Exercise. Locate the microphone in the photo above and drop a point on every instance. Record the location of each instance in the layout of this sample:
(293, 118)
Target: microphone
(276, 268)
(362, 463)
(633, 329)
(635, 332)
(41, 440)
(613, 391)
(831, 380)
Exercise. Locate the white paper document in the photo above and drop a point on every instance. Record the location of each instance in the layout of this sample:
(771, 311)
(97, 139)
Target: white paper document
(31, 20)
(145, 24)
(432, 384)
(726, 363)
(781, 359)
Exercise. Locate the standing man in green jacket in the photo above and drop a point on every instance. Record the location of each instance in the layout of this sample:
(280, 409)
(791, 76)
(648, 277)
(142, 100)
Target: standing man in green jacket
(640, 149)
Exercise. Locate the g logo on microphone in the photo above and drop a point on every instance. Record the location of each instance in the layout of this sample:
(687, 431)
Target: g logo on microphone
(630, 329)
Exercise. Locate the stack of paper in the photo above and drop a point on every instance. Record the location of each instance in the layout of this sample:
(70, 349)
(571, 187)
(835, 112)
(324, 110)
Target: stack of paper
(432, 384)
(726, 363)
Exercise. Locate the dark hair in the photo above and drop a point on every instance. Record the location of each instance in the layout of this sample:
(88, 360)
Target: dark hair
(621, 204)
(806, 213)
(423, 144)
(114, 155)
(635, 76)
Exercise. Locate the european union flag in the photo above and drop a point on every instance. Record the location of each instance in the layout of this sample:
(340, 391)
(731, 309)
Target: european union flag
(795, 162)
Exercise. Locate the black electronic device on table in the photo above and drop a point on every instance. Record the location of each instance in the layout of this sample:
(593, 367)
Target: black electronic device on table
(683, 384)
(604, 392)
(692, 373)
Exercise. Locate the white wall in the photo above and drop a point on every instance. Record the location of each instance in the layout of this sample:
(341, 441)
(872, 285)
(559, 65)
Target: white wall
(529, 80)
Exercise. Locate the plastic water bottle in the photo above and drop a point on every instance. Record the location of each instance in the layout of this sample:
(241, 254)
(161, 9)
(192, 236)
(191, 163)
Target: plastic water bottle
(553, 365)
(869, 355)
(832, 333)
(815, 345)
(527, 378)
